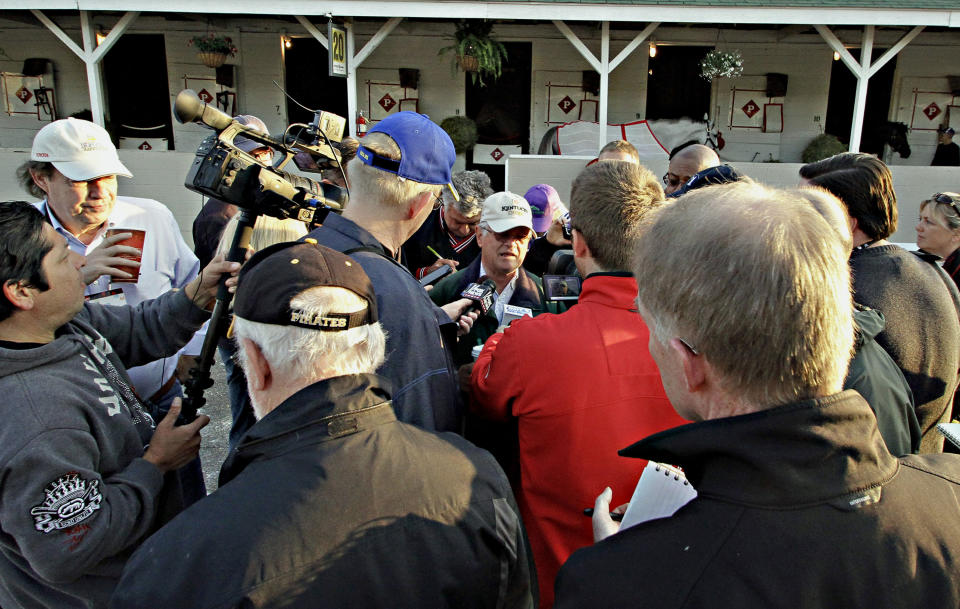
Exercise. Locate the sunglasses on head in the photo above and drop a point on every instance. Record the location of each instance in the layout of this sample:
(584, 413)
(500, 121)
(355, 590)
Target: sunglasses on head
(942, 197)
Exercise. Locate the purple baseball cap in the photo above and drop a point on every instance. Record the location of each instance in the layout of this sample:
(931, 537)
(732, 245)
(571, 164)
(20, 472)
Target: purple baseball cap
(545, 204)
(426, 152)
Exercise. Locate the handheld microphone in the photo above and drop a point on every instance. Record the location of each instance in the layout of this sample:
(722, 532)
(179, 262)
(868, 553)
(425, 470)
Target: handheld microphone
(482, 295)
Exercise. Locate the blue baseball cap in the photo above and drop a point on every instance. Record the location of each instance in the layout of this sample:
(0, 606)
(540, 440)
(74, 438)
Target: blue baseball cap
(426, 152)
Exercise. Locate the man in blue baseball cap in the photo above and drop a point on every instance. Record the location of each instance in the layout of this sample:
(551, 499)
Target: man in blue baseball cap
(402, 166)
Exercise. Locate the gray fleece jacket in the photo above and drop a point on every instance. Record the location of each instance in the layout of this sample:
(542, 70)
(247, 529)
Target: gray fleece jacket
(76, 496)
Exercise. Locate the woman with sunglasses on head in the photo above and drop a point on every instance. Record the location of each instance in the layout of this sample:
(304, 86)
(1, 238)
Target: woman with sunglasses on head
(938, 231)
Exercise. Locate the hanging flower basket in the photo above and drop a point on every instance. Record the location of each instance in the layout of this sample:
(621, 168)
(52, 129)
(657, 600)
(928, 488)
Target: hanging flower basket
(468, 63)
(213, 50)
(721, 64)
(475, 51)
(211, 59)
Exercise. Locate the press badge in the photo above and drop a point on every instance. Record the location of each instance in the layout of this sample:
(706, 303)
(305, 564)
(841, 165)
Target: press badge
(114, 297)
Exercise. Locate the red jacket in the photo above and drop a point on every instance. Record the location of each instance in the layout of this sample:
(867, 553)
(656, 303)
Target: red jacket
(583, 385)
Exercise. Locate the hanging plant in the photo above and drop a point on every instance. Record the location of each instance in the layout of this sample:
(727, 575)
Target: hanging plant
(462, 131)
(213, 50)
(476, 51)
(721, 64)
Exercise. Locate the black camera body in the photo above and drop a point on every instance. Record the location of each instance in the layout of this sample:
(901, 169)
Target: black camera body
(223, 171)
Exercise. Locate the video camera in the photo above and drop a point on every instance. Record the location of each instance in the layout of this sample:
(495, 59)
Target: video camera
(223, 171)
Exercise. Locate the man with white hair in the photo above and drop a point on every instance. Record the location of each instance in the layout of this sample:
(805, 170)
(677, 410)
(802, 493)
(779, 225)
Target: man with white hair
(329, 500)
(399, 172)
(746, 291)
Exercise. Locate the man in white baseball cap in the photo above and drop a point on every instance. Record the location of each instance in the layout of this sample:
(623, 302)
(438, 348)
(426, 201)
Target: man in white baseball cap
(504, 233)
(73, 168)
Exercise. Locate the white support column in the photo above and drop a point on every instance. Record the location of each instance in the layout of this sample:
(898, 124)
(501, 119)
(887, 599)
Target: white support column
(351, 81)
(94, 76)
(355, 59)
(91, 54)
(863, 80)
(863, 70)
(604, 82)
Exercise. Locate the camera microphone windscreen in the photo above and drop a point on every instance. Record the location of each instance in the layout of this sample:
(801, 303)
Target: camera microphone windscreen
(482, 295)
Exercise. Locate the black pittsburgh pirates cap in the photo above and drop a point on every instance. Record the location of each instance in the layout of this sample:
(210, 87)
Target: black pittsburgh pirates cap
(275, 275)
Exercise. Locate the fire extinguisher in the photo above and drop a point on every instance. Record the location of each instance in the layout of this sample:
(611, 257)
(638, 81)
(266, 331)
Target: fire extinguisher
(361, 124)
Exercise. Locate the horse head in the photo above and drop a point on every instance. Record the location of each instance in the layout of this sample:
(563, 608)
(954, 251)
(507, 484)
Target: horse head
(895, 136)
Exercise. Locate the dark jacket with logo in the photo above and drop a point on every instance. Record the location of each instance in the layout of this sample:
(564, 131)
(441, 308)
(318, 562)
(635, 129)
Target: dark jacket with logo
(329, 501)
(76, 495)
(528, 293)
(420, 335)
(799, 506)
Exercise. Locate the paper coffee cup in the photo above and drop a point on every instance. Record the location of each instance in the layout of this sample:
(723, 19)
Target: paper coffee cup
(135, 241)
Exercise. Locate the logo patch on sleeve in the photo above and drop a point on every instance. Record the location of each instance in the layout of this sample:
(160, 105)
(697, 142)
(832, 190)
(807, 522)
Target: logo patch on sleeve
(69, 500)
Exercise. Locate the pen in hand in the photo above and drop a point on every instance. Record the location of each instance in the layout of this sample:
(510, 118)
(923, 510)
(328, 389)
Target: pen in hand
(434, 252)
(613, 515)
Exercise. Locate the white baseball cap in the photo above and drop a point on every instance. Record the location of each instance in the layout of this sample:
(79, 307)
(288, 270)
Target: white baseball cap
(79, 149)
(505, 210)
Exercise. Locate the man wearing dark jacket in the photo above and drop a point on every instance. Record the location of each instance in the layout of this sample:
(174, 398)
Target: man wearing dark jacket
(504, 232)
(800, 504)
(398, 173)
(329, 500)
(82, 467)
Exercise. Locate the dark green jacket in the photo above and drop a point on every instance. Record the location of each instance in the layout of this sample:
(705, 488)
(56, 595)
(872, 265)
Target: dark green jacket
(527, 293)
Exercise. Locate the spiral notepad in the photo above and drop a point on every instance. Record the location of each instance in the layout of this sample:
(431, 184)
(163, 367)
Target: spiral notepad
(951, 431)
(661, 491)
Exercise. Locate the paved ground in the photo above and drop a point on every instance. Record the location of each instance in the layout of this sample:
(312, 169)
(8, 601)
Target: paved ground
(213, 449)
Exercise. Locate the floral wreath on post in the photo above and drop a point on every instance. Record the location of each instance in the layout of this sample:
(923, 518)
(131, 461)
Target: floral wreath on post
(721, 64)
(211, 43)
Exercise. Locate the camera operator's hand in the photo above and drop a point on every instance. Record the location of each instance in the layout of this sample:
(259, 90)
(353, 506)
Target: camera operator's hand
(455, 311)
(172, 447)
(105, 259)
(453, 264)
(203, 289)
(555, 233)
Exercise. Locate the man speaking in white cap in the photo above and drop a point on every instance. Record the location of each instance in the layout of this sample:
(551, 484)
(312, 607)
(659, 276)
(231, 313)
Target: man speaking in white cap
(504, 233)
(73, 168)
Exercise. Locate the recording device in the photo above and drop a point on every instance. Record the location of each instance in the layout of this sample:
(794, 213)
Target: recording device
(567, 229)
(435, 275)
(561, 287)
(482, 295)
(223, 171)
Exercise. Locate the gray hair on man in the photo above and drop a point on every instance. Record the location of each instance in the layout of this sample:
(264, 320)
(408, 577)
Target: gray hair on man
(473, 186)
(369, 184)
(754, 280)
(309, 355)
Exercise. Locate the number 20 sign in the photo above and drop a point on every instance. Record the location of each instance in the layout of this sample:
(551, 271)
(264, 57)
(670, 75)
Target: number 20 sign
(337, 49)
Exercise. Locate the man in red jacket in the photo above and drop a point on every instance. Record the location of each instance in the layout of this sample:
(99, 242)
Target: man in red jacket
(582, 383)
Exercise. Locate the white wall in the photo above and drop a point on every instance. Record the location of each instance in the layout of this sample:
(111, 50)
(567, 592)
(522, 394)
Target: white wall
(803, 56)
